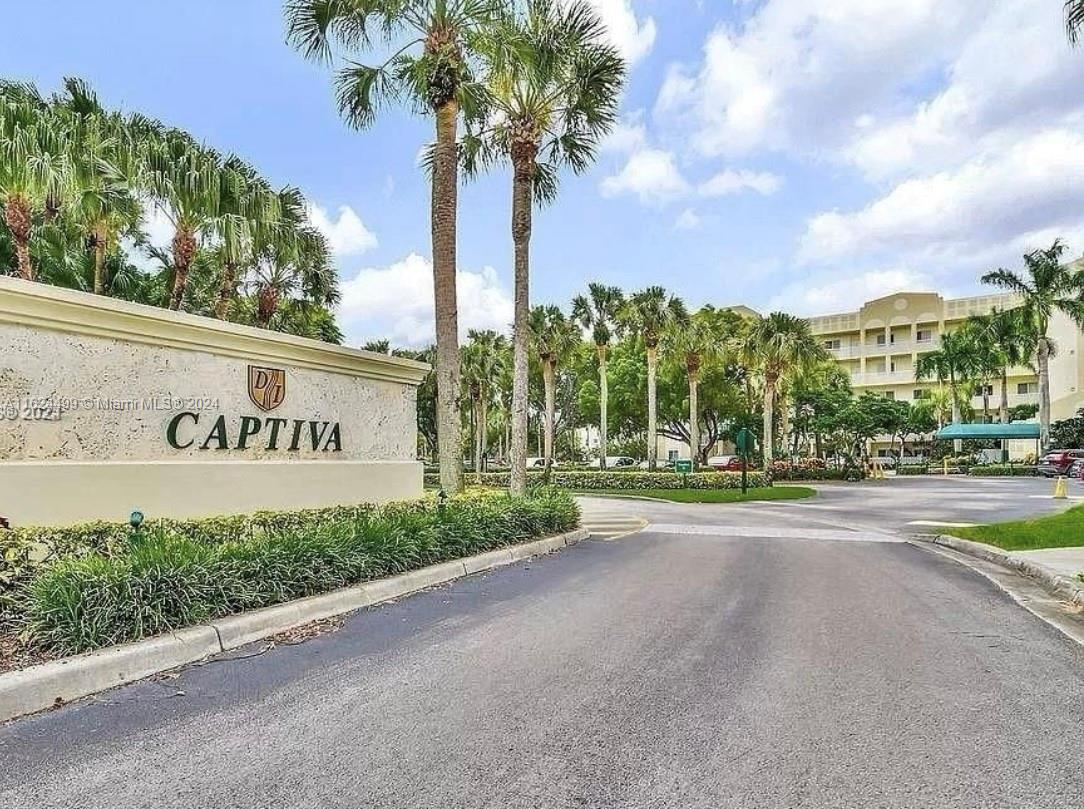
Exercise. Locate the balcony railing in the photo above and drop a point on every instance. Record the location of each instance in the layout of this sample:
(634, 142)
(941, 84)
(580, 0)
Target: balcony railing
(877, 350)
(883, 378)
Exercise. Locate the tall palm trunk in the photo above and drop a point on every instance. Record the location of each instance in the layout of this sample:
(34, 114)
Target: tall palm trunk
(1004, 409)
(1043, 357)
(694, 416)
(958, 444)
(484, 429)
(17, 218)
(99, 241)
(652, 408)
(523, 156)
(767, 439)
(226, 289)
(603, 403)
(549, 381)
(184, 250)
(443, 226)
(476, 412)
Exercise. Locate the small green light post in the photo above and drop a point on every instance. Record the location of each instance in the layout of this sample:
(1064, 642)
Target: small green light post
(135, 520)
(744, 442)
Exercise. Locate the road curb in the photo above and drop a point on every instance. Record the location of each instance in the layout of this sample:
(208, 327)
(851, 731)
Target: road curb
(1061, 586)
(37, 688)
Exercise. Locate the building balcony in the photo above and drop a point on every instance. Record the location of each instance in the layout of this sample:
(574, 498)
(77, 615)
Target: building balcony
(861, 380)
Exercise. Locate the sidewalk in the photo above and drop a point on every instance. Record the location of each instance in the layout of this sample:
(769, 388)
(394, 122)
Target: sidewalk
(1063, 561)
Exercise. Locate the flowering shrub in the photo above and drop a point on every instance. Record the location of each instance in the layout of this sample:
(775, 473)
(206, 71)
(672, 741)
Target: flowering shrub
(595, 481)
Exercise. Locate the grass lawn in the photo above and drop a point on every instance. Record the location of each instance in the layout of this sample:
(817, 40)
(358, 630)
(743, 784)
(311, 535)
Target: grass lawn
(711, 495)
(1062, 530)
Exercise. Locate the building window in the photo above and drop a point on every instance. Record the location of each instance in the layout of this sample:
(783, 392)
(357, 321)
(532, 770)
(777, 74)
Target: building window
(833, 345)
(924, 335)
(984, 390)
(920, 393)
(1025, 388)
(884, 340)
(672, 455)
(890, 395)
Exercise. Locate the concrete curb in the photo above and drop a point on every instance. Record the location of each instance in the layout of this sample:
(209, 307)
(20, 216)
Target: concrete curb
(1061, 586)
(51, 684)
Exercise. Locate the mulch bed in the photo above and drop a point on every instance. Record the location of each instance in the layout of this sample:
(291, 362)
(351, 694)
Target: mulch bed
(15, 654)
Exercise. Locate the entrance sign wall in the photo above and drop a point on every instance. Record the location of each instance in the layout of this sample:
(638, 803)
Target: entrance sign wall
(108, 406)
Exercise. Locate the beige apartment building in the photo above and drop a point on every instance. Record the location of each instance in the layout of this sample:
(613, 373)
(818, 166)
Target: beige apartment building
(879, 345)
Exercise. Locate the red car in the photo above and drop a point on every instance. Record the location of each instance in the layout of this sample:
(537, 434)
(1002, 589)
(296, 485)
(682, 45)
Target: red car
(1057, 462)
(725, 463)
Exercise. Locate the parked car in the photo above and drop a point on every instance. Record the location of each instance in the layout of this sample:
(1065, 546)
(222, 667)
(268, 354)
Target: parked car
(1058, 462)
(661, 465)
(725, 463)
(1076, 471)
(614, 462)
(536, 463)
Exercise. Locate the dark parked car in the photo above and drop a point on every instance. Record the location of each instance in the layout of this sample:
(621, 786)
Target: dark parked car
(1058, 462)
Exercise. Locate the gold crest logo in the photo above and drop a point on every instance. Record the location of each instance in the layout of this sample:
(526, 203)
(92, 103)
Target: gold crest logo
(266, 387)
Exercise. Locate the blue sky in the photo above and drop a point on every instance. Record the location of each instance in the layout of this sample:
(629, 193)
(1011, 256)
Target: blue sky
(782, 153)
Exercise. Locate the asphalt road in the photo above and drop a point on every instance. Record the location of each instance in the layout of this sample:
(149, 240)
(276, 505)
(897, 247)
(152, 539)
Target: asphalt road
(788, 656)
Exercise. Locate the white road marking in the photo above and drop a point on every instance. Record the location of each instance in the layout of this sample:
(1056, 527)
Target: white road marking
(774, 532)
(944, 524)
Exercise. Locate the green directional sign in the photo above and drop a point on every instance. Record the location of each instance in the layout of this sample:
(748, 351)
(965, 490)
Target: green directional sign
(683, 467)
(744, 441)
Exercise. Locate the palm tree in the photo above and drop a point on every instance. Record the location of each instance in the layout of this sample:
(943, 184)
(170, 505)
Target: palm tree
(598, 312)
(482, 358)
(552, 93)
(952, 364)
(650, 313)
(432, 68)
(103, 202)
(251, 216)
(186, 181)
(1005, 335)
(555, 337)
(777, 345)
(35, 166)
(691, 342)
(1074, 19)
(1047, 287)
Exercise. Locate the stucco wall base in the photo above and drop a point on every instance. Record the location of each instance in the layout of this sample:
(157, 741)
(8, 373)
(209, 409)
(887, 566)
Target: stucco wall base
(61, 493)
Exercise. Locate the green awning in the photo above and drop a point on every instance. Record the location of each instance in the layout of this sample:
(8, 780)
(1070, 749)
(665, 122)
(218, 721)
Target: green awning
(1019, 429)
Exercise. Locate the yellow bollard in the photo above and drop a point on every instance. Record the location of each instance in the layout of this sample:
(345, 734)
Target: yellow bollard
(944, 466)
(1061, 488)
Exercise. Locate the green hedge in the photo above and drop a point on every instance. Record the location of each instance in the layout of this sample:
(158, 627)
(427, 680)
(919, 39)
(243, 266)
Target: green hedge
(913, 469)
(25, 550)
(1003, 471)
(594, 481)
(795, 473)
(165, 580)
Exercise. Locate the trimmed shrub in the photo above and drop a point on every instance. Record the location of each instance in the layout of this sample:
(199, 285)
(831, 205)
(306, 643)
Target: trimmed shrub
(1003, 470)
(595, 481)
(165, 580)
(913, 469)
(25, 550)
(807, 471)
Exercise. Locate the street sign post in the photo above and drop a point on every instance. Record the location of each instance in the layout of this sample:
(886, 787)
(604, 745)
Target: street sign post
(683, 466)
(744, 442)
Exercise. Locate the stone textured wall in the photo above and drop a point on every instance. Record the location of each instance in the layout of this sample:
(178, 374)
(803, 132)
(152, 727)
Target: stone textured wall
(87, 376)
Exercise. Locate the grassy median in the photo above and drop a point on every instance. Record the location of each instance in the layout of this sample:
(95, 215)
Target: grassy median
(1062, 530)
(711, 495)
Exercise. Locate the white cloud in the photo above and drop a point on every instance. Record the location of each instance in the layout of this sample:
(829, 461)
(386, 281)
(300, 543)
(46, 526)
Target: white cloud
(1009, 199)
(397, 302)
(987, 104)
(734, 182)
(627, 136)
(633, 38)
(794, 70)
(687, 220)
(846, 292)
(347, 234)
(650, 174)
